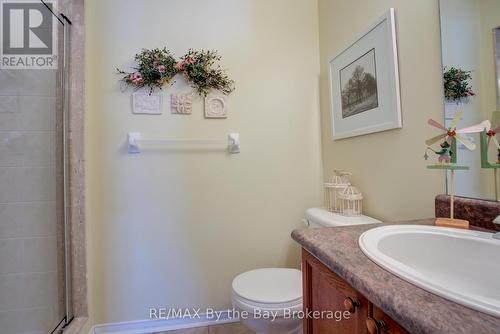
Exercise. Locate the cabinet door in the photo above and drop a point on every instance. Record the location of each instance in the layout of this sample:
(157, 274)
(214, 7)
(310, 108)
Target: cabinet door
(381, 323)
(325, 291)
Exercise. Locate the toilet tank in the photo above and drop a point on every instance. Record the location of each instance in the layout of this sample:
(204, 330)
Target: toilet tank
(319, 217)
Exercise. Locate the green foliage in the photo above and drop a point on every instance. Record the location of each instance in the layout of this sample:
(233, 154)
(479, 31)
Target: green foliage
(156, 68)
(201, 70)
(456, 84)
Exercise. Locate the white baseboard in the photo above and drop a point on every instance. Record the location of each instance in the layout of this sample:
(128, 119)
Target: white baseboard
(160, 325)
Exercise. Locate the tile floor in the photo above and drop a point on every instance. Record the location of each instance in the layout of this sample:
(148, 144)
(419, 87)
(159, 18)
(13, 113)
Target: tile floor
(217, 329)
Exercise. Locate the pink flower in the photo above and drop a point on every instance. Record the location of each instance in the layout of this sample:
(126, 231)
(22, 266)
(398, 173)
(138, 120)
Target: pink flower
(136, 78)
(161, 69)
(180, 66)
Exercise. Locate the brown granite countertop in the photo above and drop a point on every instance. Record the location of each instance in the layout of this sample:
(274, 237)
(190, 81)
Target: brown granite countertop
(419, 311)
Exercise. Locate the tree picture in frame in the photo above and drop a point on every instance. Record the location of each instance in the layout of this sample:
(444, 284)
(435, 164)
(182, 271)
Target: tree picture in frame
(364, 83)
(359, 85)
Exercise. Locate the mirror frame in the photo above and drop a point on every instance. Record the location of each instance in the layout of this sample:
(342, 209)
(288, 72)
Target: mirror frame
(496, 44)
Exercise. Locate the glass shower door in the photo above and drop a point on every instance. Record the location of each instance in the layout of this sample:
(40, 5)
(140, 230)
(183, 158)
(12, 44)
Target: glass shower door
(32, 230)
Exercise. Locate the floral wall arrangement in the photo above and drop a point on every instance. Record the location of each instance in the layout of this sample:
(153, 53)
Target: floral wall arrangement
(155, 69)
(456, 84)
(158, 67)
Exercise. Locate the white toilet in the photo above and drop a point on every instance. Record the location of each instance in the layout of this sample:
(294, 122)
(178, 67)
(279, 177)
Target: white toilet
(266, 294)
(317, 217)
(271, 296)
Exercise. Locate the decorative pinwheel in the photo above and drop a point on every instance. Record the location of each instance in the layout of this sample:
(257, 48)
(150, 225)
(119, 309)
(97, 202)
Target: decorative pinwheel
(492, 133)
(452, 132)
(448, 158)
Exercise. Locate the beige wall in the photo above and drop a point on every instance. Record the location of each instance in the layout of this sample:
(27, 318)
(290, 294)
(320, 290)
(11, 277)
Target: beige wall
(171, 229)
(388, 167)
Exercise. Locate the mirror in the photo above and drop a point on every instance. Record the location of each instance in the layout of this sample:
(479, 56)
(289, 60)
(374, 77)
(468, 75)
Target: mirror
(470, 38)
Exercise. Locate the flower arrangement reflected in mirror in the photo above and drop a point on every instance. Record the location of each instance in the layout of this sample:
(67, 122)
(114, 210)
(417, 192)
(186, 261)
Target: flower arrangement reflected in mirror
(456, 84)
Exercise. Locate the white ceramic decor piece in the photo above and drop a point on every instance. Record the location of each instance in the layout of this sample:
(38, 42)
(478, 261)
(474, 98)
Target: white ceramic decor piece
(337, 183)
(149, 104)
(351, 201)
(215, 106)
(182, 103)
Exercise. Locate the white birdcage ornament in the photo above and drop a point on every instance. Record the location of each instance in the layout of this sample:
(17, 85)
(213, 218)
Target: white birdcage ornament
(338, 182)
(351, 201)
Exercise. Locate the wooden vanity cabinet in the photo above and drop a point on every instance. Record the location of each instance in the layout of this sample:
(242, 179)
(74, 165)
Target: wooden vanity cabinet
(325, 291)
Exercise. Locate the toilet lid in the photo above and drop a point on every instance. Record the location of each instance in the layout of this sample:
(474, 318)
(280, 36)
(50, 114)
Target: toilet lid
(269, 285)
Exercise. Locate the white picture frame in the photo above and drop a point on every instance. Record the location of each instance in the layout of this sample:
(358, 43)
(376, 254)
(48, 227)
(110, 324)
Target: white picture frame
(358, 104)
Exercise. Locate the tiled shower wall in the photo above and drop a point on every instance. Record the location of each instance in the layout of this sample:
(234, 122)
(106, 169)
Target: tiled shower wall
(29, 289)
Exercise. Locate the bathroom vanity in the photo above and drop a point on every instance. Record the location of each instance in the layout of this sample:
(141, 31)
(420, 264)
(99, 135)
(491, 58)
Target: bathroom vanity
(325, 290)
(338, 276)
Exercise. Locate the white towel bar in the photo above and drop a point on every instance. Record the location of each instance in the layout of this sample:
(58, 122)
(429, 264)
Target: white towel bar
(134, 139)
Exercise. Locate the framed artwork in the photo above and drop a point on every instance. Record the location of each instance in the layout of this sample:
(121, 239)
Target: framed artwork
(364, 83)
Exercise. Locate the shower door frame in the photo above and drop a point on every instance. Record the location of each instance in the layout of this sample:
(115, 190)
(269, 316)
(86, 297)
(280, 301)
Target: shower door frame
(65, 112)
(66, 191)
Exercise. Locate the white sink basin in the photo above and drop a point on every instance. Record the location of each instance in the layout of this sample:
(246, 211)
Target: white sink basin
(460, 265)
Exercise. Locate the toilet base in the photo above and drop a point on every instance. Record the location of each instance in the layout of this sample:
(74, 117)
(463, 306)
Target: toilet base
(277, 326)
(300, 331)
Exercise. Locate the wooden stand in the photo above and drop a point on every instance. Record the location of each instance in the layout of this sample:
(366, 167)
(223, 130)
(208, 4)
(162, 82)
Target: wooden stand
(454, 223)
(451, 222)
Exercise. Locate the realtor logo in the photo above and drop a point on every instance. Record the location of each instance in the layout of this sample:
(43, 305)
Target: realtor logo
(28, 35)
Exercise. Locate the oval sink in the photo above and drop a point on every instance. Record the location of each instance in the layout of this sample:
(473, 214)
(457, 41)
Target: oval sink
(460, 265)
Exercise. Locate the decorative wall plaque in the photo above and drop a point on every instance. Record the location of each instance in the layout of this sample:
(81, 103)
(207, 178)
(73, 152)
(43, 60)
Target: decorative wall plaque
(182, 103)
(143, 103)
(215, 106)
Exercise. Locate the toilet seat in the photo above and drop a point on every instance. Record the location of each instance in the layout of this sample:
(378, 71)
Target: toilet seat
(268, 289)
